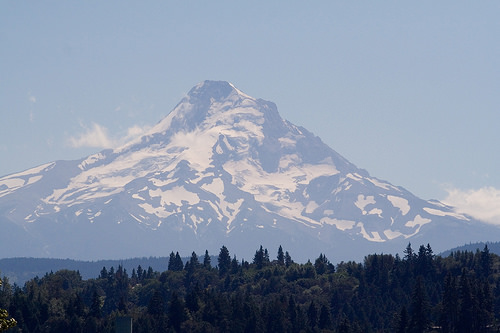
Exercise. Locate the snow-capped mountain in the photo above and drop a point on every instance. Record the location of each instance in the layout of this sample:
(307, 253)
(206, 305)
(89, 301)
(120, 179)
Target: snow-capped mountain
(223, 168)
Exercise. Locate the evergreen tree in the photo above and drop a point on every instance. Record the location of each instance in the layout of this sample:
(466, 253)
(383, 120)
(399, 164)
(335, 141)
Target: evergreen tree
(419, 308)
(176, 314)
(288, 259)
(95, 307)
(194, 262)
(292, 313)
(175, 262)
(312, 315)
(258, 258)
(234, 265)
(104, 273)
(171, 261)
(281, 256)
(466, 314)
(485, 262)
(409, 254)
(449, 305)
(206, 260)
(322, 264)
(403, 321)
(266, 257)
(325, 321)
(140, 272)
(5, 321)
(224, 260)
(156, 304)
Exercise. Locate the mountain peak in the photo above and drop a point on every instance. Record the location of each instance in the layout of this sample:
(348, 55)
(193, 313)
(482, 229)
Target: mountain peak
(203, 101)
(221, 168)
(207, 90)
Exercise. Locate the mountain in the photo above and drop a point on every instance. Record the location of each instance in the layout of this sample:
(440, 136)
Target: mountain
(222, 168)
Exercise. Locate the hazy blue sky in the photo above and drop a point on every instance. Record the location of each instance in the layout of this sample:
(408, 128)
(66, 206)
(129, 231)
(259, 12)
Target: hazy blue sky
(408, 91)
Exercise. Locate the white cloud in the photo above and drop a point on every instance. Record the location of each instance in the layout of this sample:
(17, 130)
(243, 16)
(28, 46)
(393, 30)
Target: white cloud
(135, 132)
(97, 136)
(482, 204)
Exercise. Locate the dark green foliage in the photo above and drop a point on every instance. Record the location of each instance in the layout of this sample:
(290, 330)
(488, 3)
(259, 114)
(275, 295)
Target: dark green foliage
(206, 260)
(385, 293)
(224, 261)
(419, 320)
(175, 262)
(281, 256)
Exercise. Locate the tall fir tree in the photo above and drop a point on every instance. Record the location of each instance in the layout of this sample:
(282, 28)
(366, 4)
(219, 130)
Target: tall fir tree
(281, 256)
(224, 260)
(420, 308)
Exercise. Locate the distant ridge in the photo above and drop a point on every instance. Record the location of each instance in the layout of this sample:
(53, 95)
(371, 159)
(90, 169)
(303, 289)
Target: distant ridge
(494, 247)
(20, 270)
(16, 269)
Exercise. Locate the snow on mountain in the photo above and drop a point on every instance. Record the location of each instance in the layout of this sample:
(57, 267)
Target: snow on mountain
(222, 168)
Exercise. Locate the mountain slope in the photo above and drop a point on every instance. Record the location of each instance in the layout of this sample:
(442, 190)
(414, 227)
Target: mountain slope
(221, 168)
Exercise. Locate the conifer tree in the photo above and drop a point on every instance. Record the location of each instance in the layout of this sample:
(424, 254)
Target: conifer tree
(288, 259)
(281, 256)
(325, 321)
(224, 260)
(5, 321)
(259, 259)
(207, 260)
(449, 305)
(419, 308)
(95, 307)
(485, 262)
(466, 314)
(175, 262)
(176, 314)
(156, 304)
(403, 321)
(312, 315)
(194, 262)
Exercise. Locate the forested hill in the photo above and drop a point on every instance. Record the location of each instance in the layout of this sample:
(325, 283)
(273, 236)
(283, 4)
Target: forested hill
(20, 270)
(419, 292)
(494, 247)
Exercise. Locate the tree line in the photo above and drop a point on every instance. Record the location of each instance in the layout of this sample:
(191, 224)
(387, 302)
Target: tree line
(419, 292)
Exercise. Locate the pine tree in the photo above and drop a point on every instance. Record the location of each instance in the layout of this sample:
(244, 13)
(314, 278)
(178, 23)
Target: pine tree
(224, 260)
(5, 321)
(95, 307)
(207, 260)
(258, 258)
(322, 264)
(194, 262)
(325, 321)
(281, 256)
(312, 315)
(171, 261)
(176, 314)
(449, 307)
(288, 259)
(403, 321)
(467, 315)
(485, 262)
(175, 262)
(156, 304)
(419, 308)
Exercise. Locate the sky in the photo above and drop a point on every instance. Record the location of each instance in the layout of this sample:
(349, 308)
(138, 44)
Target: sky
(408, 91)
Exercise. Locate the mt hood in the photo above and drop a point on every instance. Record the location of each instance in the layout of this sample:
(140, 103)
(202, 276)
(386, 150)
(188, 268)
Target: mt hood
(223, 168)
